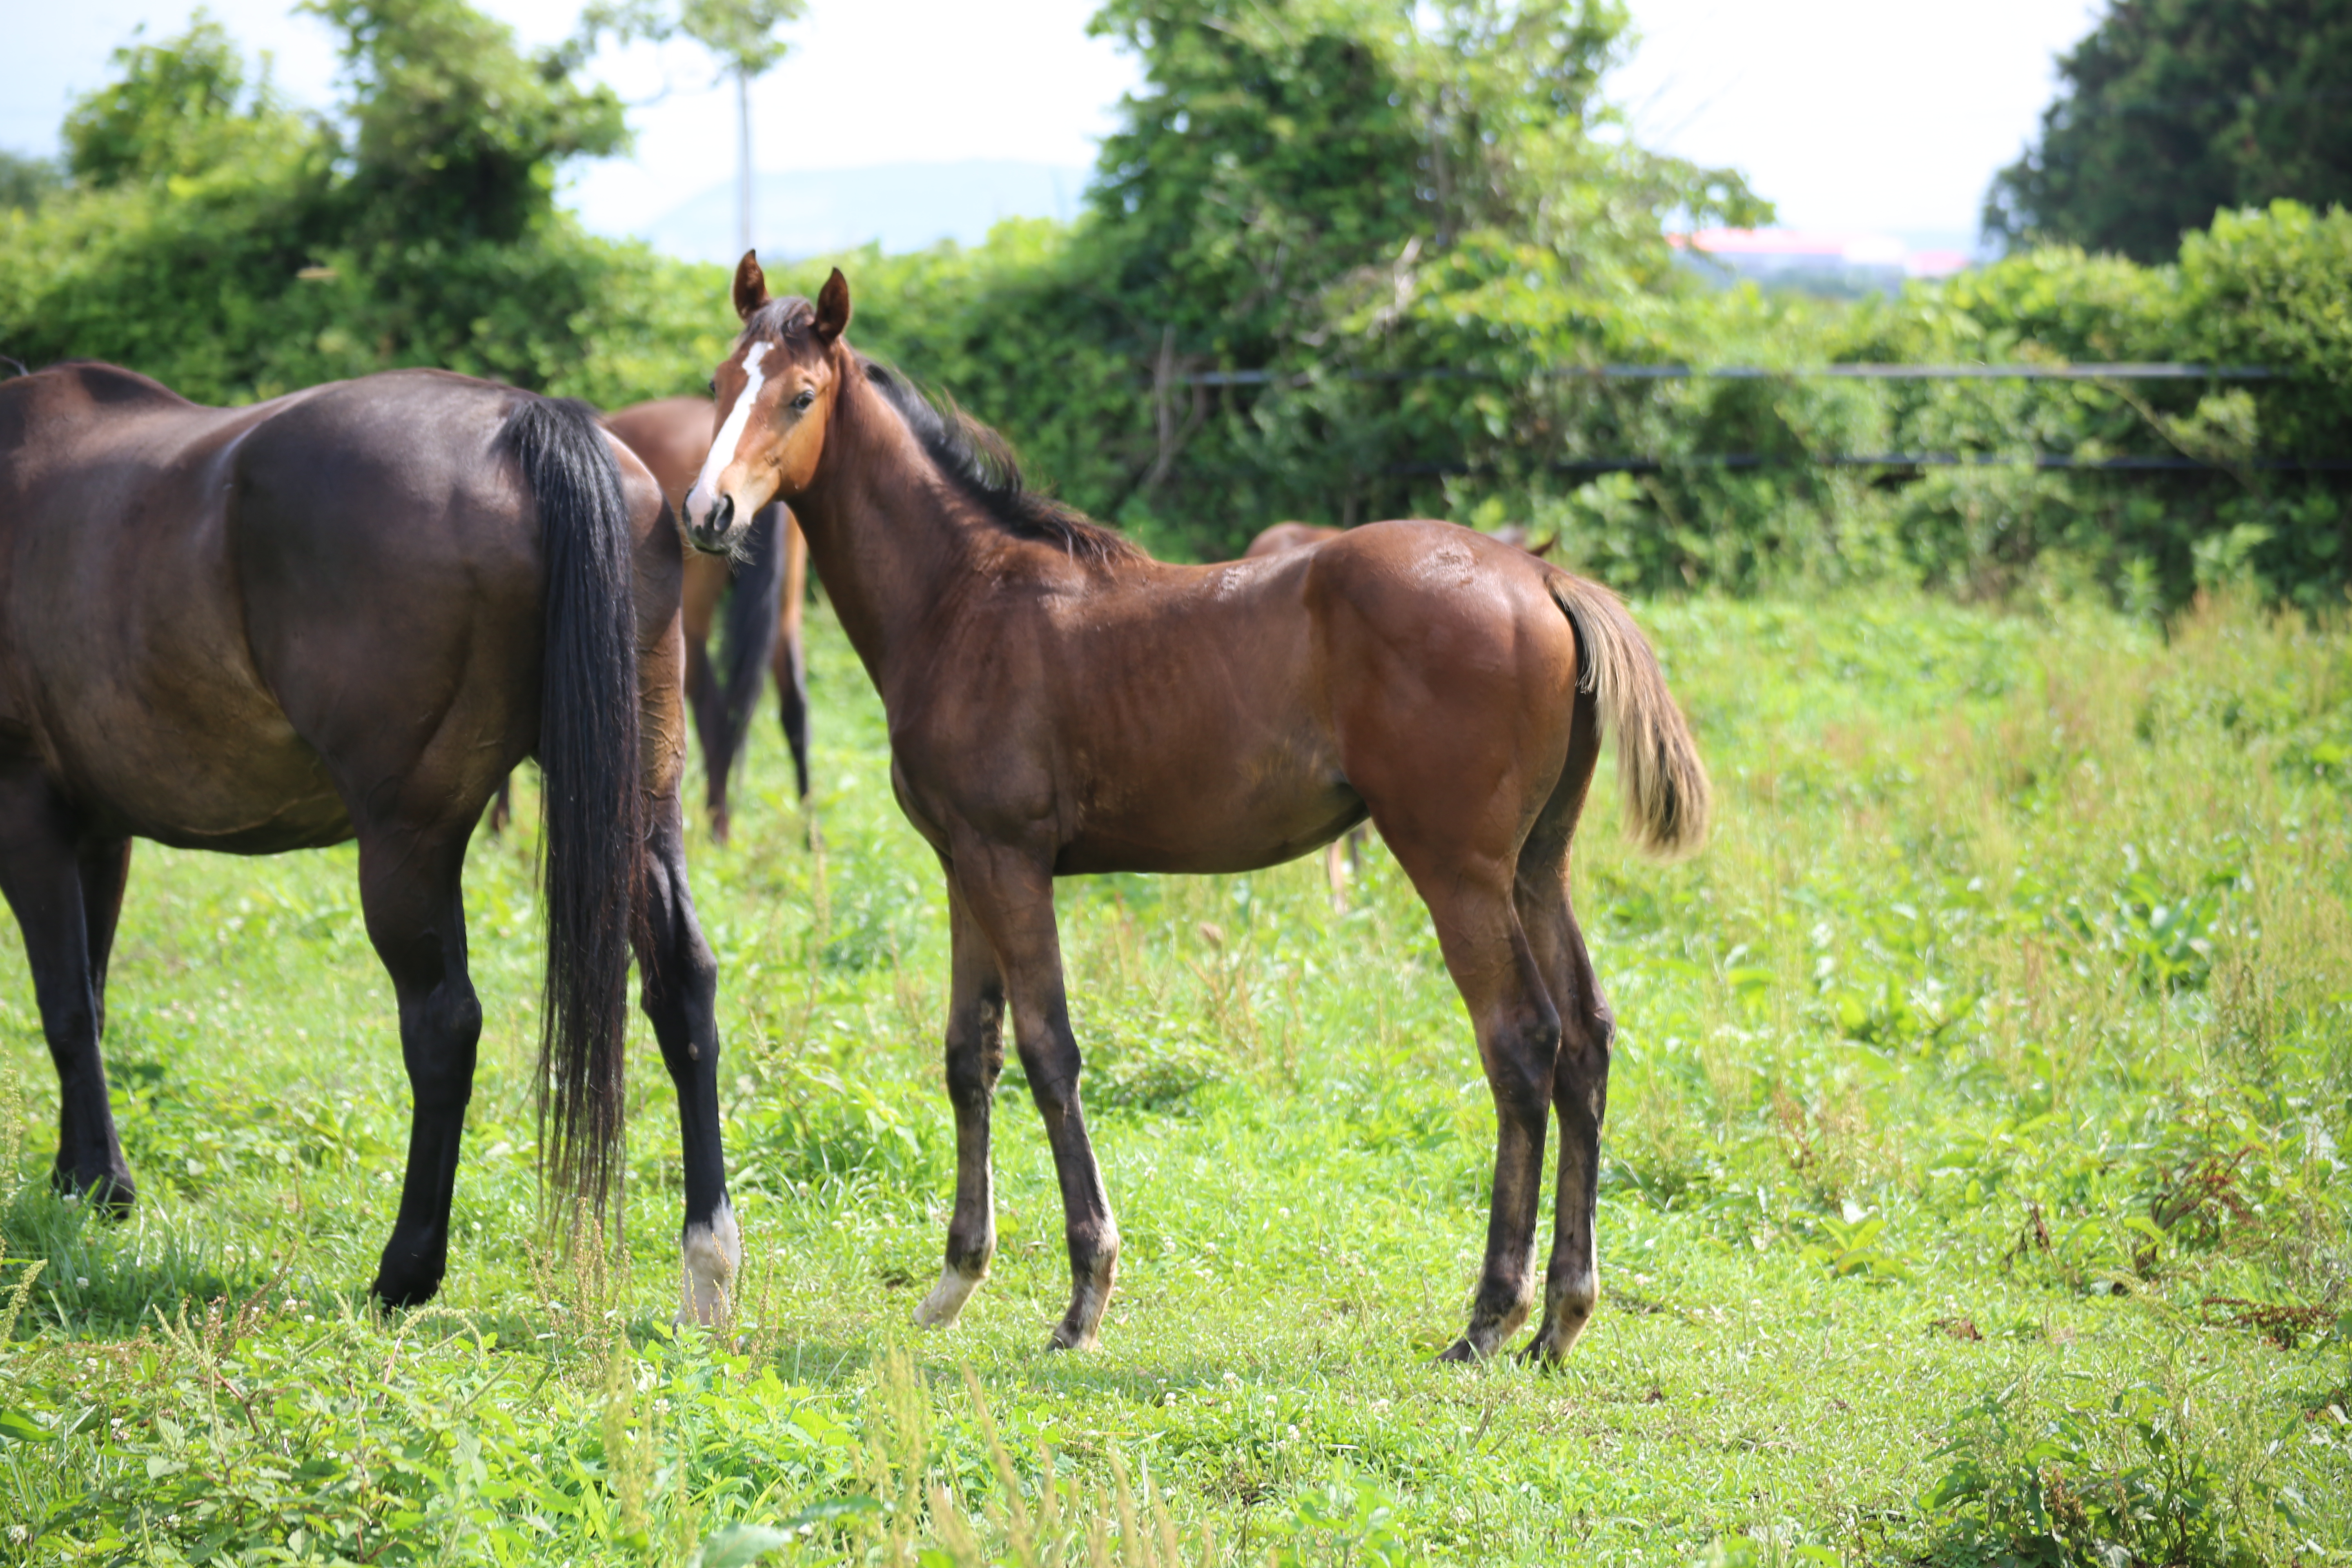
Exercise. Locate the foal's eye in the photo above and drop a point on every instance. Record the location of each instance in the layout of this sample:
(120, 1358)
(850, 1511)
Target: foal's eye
(714, 386)
(803, 400)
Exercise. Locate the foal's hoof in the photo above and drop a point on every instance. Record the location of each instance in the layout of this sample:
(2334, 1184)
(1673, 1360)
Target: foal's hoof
(944, 1305)
(1067, 1338)
(1461, 1352)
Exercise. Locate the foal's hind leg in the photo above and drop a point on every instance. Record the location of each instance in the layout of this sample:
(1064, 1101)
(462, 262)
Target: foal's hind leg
(975, 1057)
(1518, 1037)
(66, 892)
(416, 917)
(1581, 1091)
(1581, 1080)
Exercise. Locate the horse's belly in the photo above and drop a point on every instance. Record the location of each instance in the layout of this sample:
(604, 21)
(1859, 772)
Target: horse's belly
(228, 774)
(1214, 815)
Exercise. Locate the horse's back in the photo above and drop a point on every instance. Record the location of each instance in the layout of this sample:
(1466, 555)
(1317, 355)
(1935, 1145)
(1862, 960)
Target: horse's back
(224, 628)
(1284, 537)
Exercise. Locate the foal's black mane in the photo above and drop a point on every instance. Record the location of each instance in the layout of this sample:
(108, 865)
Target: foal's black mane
(972, 458)
(980, 463)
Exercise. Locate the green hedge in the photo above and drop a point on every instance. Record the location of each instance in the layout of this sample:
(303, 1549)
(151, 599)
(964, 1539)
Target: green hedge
(1417, 335)
(1014, 330)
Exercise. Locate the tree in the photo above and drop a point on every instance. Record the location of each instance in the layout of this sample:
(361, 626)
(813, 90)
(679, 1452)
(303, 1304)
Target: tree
(2172, 110)
(180, 108)
(742, 33)
(25, 183)
(1338, 195)
(234, 250)
(456, 133)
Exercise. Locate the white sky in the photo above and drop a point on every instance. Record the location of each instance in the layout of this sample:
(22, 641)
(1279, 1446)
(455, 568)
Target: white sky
(1853, 114)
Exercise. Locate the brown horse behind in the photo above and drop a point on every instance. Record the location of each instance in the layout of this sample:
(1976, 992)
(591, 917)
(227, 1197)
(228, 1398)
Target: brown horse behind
(770, 580)
(1060, 703)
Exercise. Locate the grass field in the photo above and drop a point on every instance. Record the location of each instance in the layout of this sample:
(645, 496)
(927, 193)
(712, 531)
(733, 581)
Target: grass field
(1974, 1181)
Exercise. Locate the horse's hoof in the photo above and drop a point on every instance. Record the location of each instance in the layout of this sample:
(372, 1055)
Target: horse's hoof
(111, 1192)
(396, 1289)
(1067, 1338)
(1459, 1353)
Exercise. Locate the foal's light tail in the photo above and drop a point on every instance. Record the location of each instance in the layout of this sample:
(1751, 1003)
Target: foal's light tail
(1667, 796)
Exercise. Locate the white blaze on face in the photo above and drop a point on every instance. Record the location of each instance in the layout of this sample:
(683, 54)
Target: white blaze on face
(705, 493)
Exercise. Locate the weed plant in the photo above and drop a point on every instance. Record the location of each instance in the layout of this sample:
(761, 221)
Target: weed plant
(1974, 1185)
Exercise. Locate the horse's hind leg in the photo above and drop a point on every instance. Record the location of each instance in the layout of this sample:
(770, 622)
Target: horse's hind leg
(680, 996)
(793, 706)
(710, 709)
(975, 1057)
(790, 656)
(416, 917)
(67, 891)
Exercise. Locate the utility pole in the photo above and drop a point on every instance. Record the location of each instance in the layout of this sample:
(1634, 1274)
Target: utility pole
(742, 33)
(743, 186)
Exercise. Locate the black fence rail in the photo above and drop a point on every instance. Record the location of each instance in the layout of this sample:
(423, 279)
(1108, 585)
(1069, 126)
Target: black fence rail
(1859, 371)
(2125, 371)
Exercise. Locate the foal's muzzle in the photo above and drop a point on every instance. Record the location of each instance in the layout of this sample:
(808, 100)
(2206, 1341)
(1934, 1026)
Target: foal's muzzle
(714, 531)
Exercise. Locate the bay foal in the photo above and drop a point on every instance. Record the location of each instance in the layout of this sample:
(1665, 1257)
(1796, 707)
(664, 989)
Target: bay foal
(347, 614)
(1060, 703)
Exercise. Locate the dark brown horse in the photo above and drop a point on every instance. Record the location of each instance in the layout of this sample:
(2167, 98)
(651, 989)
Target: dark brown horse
(1060, 703)
(346, 613)
(769, 582)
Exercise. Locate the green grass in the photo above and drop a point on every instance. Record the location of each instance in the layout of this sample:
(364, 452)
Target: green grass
(1974, 1183)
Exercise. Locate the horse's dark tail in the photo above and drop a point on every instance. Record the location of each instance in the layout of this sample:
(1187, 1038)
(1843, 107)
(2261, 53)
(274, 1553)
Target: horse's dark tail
(591, 807)
(747, 637)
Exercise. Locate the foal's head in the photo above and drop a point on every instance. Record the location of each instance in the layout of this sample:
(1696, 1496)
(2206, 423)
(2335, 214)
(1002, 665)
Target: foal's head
(775, 394)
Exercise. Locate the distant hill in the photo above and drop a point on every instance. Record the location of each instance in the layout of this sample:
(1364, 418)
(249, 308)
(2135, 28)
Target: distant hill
(905, 206)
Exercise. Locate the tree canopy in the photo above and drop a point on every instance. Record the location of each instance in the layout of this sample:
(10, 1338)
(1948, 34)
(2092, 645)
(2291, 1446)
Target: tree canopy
(2173, 109)
(215, 238)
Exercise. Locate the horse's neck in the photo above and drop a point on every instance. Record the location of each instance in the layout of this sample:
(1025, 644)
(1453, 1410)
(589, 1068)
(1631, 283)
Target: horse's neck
(881, 534)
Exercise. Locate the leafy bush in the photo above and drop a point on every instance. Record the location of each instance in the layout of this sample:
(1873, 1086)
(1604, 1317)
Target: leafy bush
(235, 249)
(2133, 1482)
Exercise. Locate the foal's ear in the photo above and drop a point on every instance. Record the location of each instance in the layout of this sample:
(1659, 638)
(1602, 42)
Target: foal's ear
(751, 285)
(832, 307)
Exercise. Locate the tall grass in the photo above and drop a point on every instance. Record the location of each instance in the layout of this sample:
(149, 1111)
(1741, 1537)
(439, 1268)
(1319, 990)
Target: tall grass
(1973, 1188)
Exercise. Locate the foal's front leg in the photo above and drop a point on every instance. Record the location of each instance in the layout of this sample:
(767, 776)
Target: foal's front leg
(1010, 895)
(975, 1053)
